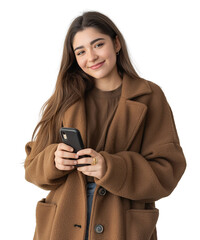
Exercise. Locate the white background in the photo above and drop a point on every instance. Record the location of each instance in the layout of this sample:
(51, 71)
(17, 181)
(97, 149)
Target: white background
(163, 41)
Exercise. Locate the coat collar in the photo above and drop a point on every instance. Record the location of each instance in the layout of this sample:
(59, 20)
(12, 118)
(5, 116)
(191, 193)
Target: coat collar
(134, 87)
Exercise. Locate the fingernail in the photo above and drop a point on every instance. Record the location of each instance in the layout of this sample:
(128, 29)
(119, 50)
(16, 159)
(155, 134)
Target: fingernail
(75, 162)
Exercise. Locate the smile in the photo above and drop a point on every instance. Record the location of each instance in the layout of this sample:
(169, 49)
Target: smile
(98, 65)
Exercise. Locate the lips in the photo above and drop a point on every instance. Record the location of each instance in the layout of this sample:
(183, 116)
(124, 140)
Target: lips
(98, 65)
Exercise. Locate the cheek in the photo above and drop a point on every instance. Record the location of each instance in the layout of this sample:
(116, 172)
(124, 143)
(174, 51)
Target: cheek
(112, 58)
(111, 55)
(80, 62)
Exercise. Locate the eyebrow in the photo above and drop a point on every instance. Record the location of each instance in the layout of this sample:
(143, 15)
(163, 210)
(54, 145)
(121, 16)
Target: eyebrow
(92, 42)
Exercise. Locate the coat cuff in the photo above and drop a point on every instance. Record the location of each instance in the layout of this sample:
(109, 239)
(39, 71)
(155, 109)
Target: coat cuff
(41, 170)
(116, 172)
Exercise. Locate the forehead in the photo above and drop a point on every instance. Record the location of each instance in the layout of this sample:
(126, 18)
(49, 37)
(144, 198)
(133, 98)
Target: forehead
(85, 36)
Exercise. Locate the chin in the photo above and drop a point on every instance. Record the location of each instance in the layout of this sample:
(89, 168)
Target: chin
(99, 75)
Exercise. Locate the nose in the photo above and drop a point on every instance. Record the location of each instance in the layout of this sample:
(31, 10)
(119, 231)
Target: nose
(92, 56)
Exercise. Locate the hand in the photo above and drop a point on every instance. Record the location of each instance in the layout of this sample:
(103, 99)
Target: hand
(62, 157)
(98, 170)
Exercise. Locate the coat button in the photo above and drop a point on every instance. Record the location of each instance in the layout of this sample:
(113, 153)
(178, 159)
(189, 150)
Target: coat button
(102, 191)
(98, 228)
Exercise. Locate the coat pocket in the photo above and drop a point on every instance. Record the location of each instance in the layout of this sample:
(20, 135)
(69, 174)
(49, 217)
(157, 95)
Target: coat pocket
(140, 223)
(45, 213)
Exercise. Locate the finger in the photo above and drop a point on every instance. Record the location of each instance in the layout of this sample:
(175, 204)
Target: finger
(92, 174)
(64, 154)
(62, 167)
(65, 147)
(65, 162)
(84, 160)
(87, 151)
(90, 168)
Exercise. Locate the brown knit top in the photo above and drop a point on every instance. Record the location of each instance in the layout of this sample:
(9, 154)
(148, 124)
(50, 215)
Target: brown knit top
(100, 109)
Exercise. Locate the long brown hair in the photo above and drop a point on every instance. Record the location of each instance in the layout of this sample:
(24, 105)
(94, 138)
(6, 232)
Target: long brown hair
(72, 82)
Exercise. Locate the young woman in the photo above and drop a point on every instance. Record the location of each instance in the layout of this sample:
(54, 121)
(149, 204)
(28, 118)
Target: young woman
(128, 131)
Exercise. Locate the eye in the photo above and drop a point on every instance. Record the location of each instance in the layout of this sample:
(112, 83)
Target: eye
(99, 45)
(80, 53)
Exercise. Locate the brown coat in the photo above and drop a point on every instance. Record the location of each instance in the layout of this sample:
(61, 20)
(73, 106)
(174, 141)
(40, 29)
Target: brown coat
(144, 163)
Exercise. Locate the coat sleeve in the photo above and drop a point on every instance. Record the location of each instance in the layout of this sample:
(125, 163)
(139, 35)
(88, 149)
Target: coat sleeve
(153, 172)
(40, 169)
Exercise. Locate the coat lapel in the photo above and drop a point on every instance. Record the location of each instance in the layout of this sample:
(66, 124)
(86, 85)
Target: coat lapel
(126, 121)
(128, 116)
(124, 125)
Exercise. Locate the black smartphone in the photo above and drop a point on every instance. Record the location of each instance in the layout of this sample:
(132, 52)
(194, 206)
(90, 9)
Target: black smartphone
(72, 137)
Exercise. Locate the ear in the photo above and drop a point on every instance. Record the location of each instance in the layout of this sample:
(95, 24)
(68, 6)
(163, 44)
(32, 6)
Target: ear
(117, 44)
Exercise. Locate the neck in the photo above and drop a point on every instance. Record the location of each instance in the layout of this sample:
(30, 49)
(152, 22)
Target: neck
(108, 83)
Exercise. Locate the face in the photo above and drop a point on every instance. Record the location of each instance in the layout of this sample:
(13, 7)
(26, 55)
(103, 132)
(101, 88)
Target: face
(96, 53)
